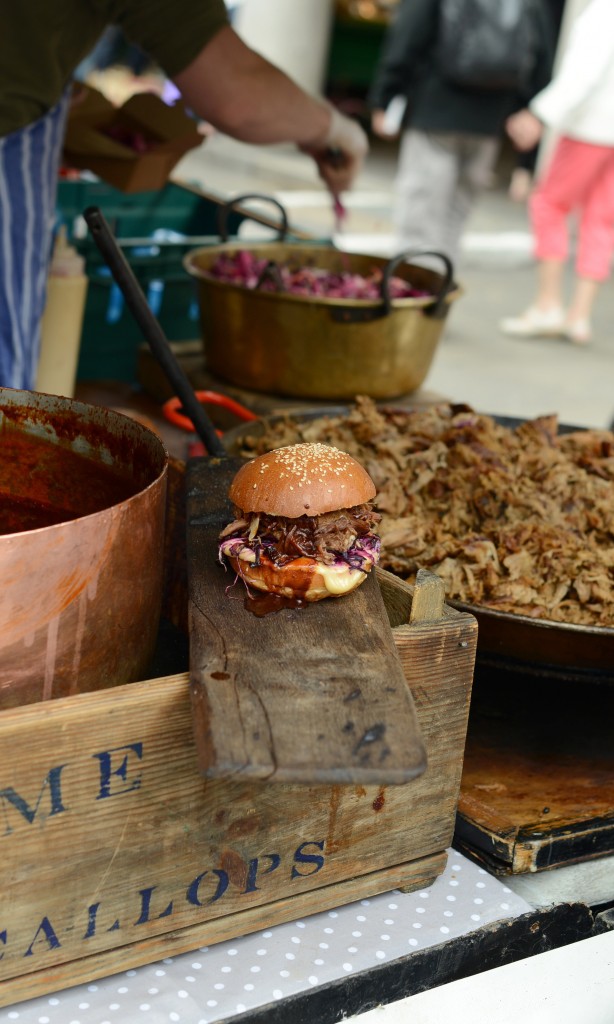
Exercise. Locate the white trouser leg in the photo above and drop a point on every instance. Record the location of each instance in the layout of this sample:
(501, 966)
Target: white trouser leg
(438, 178)
(477, 157)
(426, 179)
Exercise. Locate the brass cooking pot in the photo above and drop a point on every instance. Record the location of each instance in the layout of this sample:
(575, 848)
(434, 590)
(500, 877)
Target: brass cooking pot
(79, 599)
(323, 348)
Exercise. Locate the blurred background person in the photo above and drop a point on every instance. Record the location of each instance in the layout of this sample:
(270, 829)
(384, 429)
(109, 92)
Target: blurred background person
(451, 132)
(579, 178)
(523, 172)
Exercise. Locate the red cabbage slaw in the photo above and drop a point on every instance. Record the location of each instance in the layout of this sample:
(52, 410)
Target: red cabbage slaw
(362, 552)
(247, 270)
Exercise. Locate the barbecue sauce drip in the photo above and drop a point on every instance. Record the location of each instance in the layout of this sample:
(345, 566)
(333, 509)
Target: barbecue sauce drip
(42, 484)
(262, 603)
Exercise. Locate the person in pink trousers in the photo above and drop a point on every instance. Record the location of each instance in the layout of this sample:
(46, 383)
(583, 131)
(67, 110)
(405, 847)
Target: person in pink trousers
(578, 105)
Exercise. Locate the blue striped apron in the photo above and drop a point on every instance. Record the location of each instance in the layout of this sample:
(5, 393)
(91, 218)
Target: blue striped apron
(29, 161)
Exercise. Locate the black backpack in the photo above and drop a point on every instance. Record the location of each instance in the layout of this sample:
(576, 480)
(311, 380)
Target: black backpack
(486, 44)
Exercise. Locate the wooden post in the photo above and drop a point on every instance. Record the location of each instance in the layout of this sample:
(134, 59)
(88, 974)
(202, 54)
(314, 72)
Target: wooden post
(429, 596)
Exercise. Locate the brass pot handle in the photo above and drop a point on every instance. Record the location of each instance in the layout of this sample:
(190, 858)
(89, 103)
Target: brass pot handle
(438, 308)
(225, 208)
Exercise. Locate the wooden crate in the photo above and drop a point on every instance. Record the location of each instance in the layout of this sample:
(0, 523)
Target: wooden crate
(115, 852)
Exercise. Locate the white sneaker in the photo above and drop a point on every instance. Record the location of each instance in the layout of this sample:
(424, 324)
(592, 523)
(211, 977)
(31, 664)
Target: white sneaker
(578, 331)
(535, 323)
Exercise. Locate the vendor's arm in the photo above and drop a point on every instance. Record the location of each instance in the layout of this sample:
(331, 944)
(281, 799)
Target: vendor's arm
(245, 96)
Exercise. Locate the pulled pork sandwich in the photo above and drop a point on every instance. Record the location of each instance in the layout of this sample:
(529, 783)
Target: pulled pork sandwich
(304, 526)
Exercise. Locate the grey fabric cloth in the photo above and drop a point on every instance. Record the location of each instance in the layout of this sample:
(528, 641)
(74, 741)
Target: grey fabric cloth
(439, 176)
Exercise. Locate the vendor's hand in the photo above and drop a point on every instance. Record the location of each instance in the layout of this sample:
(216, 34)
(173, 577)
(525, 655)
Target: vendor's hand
(379, 125)
(524, 129)
(339, 155)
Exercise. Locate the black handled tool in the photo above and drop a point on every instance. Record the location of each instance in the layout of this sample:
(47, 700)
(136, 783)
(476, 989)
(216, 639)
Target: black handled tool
(152, 331)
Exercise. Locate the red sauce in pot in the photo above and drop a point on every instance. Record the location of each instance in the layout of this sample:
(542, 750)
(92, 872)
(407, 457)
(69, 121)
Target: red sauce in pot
(18, 514)
(42, 483)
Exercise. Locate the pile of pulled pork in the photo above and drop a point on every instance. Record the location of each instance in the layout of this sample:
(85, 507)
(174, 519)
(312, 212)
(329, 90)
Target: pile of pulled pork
(520, 520)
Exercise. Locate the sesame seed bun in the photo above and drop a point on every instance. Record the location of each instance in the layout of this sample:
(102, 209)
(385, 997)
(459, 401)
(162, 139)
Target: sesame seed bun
(301, 480)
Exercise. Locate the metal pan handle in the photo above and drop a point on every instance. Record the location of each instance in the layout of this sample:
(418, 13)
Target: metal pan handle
(174, 412)
(438, 308)
(363, 314)
(224, 210)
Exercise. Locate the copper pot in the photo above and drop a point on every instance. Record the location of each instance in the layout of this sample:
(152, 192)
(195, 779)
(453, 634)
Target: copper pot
(80, 599)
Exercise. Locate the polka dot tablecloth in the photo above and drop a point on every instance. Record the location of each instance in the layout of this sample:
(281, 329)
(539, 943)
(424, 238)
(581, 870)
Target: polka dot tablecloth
(218, 982)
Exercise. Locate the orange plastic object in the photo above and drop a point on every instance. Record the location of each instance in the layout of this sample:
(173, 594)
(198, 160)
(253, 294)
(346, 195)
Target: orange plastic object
(171, 408)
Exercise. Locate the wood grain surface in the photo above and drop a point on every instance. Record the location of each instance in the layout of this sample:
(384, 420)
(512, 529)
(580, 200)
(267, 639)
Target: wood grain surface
(307, 695)
(116, 851)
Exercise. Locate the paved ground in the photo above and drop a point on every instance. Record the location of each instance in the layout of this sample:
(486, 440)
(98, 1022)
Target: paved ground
(474, 363)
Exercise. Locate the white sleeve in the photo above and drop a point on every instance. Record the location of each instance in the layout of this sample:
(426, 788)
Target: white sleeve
(589, 54)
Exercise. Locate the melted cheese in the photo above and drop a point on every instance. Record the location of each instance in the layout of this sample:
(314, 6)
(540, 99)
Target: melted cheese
(339, 579)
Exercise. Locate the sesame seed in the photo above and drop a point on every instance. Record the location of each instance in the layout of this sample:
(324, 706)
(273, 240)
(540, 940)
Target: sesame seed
(297, 462)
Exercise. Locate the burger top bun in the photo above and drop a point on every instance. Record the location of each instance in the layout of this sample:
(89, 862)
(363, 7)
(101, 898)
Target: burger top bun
(301, 480)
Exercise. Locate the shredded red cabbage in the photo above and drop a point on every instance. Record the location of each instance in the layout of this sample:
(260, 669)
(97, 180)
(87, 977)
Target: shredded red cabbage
(367, 549)
(245, 269)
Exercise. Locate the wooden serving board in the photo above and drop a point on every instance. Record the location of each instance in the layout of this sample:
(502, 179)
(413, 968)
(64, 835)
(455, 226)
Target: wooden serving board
(308, 695)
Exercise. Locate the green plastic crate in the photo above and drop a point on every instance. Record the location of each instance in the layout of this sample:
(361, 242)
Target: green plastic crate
(155, 230)
(354, 52)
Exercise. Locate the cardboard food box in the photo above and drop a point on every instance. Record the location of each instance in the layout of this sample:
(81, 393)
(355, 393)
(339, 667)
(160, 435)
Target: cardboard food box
(116, 852)
(133, 147)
